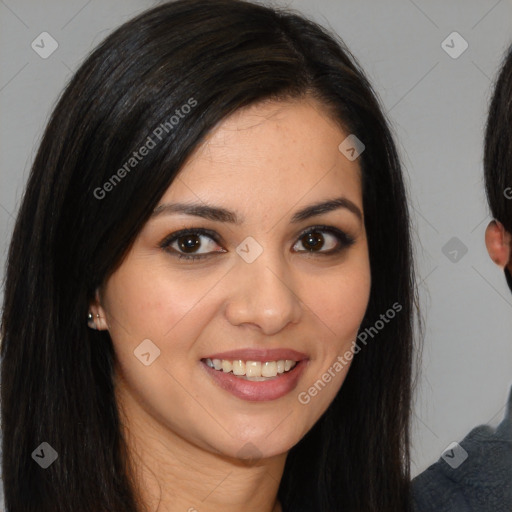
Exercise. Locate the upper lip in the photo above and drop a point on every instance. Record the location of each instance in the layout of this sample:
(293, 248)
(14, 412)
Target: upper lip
(262, 355)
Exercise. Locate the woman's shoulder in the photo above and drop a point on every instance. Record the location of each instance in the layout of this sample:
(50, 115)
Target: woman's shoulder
(475, 474)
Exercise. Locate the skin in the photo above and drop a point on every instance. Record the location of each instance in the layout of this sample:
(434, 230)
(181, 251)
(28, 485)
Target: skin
(499, 244)
(264, 162)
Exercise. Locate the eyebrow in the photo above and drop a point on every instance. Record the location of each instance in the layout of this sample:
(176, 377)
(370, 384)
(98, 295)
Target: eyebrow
(224, 215)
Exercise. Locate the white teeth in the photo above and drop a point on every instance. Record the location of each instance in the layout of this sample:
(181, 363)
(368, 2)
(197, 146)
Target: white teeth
(269, 369)
(227, 366)
(238, 368)
(252, 370)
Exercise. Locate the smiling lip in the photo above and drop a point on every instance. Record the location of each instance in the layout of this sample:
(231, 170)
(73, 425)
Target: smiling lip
(258, 391)
(251, 354)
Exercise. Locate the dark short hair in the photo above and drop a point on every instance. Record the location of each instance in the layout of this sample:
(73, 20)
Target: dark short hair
(498, 150)
(56, 374)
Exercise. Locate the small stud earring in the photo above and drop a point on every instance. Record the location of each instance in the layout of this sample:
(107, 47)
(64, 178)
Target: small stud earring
(90, 321)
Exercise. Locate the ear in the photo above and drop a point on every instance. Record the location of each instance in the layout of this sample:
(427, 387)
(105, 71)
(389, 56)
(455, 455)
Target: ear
(99, 317)
(498, 243)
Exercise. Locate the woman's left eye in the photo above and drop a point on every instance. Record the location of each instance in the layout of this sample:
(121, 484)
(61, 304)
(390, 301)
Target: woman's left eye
(186, 243)
(314, 240)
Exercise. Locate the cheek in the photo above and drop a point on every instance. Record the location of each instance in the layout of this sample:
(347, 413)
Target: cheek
(152, 313)
(151, 302)
(338, 307)
(342, 301)
(342, 310)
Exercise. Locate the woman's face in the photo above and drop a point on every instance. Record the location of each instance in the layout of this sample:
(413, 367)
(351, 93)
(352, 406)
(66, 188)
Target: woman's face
(275, 285)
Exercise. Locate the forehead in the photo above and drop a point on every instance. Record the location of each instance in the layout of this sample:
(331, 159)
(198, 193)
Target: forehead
(270, 152)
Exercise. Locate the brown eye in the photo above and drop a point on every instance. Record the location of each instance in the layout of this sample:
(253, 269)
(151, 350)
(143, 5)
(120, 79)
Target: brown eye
(188, 243)
(323, 240)
(313, 241)
(199, 243)
(191, 244)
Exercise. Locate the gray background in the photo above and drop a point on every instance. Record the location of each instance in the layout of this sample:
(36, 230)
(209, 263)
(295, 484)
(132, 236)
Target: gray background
(437, 107)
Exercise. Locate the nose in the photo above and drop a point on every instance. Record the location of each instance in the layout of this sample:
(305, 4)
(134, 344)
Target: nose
(261, 294)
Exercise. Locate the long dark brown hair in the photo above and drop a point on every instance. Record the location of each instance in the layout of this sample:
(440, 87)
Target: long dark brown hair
(56, 374)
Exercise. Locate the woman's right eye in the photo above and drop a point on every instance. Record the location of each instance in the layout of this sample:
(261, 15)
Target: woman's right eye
(186, 243)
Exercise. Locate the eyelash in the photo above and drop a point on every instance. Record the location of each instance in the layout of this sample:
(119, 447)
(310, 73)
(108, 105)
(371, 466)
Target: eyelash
(343, 238)
(167, 241)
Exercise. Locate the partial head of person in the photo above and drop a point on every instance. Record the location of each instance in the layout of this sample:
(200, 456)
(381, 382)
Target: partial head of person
(498, 170)
(217, 199)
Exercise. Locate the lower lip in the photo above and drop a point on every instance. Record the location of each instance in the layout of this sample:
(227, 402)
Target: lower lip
(258, 391)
